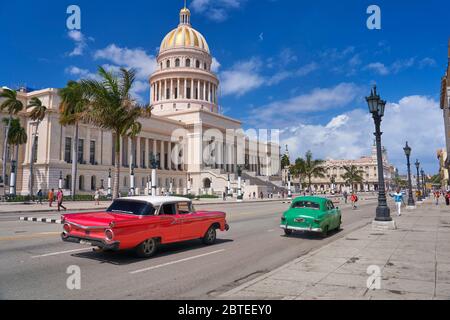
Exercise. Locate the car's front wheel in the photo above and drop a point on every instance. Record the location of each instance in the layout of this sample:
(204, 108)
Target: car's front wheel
(287, 232)
(324, 233)
(210, 236)
(147, 248)
(339, 225)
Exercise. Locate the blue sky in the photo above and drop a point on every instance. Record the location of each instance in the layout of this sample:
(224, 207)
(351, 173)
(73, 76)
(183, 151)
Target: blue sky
(300, 66)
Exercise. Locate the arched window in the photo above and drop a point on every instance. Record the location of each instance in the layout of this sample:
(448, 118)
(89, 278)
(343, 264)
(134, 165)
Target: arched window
(161, 65)
(93, 183)
(205, 66)
(81, 183)
(207, 183)
(168, 64)
(67, 182)
(197, 64)
(188, 63)
(177, 62)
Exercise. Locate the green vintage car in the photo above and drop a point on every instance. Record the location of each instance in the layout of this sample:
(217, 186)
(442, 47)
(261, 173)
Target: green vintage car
(313, 214)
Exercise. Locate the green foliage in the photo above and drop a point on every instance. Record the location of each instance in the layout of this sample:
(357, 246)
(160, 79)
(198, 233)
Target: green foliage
(352, 175)
(308, 168)
(285, 161)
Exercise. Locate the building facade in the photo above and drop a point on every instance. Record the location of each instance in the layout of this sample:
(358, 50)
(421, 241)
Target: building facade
(445, 106)
(199, 149)
(443, 168)
(334, 169)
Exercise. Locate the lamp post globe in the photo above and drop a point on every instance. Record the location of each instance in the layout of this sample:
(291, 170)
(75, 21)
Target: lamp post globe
(376, 108)
(419, 191)
(407, 150)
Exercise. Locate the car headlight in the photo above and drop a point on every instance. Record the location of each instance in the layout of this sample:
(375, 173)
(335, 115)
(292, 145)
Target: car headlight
(109, 234)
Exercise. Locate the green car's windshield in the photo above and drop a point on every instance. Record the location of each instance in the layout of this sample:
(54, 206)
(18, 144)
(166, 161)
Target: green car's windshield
(306, 204)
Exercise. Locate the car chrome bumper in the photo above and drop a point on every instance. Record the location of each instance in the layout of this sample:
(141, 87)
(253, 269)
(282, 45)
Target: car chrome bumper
(300, 229)
(94, 242)
(227, 227)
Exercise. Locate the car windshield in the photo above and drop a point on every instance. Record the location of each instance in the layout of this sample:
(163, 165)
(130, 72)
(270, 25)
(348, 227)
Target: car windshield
(138, 208)
(306, 204)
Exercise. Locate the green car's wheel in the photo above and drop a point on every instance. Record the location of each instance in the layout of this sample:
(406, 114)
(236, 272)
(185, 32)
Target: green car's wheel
(210, 236)
(147, 248)
(339, 225)
(287, 232)
(324, 233)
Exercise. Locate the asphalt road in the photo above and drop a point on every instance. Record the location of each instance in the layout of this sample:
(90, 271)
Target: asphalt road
(34, 261)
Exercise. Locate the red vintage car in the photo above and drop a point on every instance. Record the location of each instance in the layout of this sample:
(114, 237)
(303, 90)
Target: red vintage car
(142, 224)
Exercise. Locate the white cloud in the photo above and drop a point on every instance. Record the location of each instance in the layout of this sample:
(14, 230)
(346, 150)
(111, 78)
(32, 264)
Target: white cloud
(138, 59)
(394, 68)
(242, 77)
(216, 10)
(80, 73)
(215, 66)
(350, 135)
(80, 41)
(319, 99)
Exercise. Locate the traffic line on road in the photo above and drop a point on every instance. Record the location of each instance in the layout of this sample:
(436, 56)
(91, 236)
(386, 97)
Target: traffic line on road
(43, 220)
(177, 261)
(30, 236)
(60, 252)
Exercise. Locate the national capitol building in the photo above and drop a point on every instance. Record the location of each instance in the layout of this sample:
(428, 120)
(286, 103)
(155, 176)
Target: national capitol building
(184, 97)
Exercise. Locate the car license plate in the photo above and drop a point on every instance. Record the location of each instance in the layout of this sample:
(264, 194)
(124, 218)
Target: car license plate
(299, 220)
(86, 243)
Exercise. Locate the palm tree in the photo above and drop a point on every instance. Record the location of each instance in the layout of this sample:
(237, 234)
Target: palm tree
(112, 108)
(285, 162)
(309, 168)
(12, 106)
(37, 114)
(72, 110)
(16, 137)
(352, 175)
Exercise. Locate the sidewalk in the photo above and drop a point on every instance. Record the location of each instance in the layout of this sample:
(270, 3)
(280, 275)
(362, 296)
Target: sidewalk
(90, 205)
(414, 262)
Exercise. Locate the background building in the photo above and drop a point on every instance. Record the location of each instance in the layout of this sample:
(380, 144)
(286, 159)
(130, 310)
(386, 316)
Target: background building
(445, 106)
(184, 96)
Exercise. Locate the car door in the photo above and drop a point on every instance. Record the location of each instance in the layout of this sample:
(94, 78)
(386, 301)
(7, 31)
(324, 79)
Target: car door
(333, 215)
(170, 223)
(191, 222)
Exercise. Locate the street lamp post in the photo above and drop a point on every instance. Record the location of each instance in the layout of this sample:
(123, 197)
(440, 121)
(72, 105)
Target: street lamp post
(109, 184)
(289, 186)
(411, 204)
(12, 184)
(228, 185)
(419, 196)
(189, 184)
(424, 188)
(132, 181)
(60, 182)
(239, 191)
(155, 164)
(383, 213)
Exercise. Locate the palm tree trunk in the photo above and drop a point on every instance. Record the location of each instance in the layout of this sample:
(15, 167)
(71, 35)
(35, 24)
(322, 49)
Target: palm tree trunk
(16, 157)
(33, 152)
(74, 162)
(117, 165)
(309, 184)
(5, 149)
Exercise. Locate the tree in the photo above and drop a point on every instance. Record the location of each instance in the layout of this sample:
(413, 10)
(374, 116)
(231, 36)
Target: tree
(285, 162)
(352, 175)
(72, 110)
(112, 108)
(37, 114)
(309, 168)
(12, 106)
(17, 135)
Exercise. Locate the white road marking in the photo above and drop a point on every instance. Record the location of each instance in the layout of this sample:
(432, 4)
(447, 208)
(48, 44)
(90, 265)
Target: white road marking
(175, 262)
(61, 252)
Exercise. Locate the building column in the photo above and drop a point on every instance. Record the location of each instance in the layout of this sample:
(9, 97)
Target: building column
(169, 155)
(147, 153)
(178, 89)
(163, 156)
(204, 90)
(138, 152)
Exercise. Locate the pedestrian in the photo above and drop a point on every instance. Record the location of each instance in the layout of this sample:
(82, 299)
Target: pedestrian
(39, 196)
(254, 195)
(398, 198)
(345, 194)
(261, 195)
(60, 199)
(97, 197)
(447, 198)
(224, 196)
(354, 200)
(51, 197)
(437, 194)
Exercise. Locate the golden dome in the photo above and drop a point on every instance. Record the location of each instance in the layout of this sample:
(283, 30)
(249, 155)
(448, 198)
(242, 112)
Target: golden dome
(184, 36)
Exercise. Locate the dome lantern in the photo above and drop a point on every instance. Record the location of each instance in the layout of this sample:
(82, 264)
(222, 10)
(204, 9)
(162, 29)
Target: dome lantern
(185, 16)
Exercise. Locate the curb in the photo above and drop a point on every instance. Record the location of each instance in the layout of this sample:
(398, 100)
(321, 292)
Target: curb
(42, 220)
